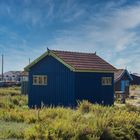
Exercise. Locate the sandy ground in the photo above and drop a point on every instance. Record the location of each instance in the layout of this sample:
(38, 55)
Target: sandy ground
(136, 100)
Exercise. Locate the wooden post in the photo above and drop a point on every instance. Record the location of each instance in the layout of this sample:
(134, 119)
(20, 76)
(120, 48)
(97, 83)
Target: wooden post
(2, 68)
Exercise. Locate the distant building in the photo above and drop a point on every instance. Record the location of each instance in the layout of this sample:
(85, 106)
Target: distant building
(63, 78)
(24, 82)
(122, 80)
(136, 79)
(11, 76)
(24, 76)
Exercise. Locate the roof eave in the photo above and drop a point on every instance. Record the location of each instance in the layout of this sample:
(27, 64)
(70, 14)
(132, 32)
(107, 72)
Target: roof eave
(27, 68)
(131, 78)
(48, 53)
(100, 71)
(120, 76)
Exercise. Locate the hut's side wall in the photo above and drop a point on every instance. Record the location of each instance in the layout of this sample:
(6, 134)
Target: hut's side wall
(60, 88)
(89, 87)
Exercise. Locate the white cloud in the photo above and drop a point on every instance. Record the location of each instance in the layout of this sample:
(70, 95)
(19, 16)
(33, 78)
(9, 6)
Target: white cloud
(110, 31)
(128, 17)
(125, 42)
(122, 62)
(110, 35)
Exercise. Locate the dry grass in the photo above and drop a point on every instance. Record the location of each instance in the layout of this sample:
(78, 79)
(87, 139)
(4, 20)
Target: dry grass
(86, 122)
(10, 91)
(135, 87)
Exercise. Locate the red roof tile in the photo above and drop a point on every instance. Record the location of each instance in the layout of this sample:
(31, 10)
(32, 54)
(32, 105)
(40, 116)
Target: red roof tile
(84, 61)
(118, 74)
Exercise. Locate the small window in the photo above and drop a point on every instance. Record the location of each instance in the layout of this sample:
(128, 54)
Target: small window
(39, 80)
(106, 81)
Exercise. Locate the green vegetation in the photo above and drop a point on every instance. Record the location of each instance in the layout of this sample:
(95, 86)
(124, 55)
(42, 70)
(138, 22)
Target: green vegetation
(134, 87)
(86, 122)
(11, 98)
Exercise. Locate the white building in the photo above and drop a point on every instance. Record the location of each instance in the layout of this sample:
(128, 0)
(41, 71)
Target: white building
(11, 76)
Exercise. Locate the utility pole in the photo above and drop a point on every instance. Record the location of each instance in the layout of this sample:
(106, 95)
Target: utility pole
(29, 61)
(2, 67)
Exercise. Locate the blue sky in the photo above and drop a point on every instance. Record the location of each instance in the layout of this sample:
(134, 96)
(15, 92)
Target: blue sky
(109, 27)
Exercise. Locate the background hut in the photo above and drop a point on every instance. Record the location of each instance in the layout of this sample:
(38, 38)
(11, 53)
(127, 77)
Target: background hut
(122, 80)
(136, 79)
(24, 82)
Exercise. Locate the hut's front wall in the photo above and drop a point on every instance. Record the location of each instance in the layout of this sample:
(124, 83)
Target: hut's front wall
(60, 84)
(89, 87)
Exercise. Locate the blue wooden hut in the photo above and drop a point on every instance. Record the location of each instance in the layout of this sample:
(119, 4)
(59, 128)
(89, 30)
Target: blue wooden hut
(122, 80)
(62, 78)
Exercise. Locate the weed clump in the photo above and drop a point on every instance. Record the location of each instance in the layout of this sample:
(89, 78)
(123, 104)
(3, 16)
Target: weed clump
(84, 106)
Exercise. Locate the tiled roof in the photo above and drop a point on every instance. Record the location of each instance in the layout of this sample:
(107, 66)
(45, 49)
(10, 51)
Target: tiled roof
(136, 74)
(118, 74)
(84, 61)
(24, 73)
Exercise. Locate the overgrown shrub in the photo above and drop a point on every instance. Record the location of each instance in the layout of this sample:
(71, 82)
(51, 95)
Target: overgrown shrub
(8, 101)
(84, 106)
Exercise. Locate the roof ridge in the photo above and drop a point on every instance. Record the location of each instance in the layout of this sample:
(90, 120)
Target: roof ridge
(121, 69)
(74, 52)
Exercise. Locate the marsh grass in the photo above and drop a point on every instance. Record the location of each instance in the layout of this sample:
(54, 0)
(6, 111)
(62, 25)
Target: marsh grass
(85, 122)
(135, 87)
(13, 91)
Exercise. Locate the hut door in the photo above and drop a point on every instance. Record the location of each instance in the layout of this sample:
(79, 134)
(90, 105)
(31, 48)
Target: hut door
(123, 86)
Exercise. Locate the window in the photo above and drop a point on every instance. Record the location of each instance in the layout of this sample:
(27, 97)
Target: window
(39, 80)
(106, 81)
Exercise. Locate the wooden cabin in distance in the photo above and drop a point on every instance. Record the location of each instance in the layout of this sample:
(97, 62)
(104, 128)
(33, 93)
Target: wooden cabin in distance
(122, 80)
(24, 82)
(136, 79)
(62, 78)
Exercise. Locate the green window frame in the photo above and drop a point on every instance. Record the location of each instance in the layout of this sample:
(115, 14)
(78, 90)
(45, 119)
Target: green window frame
(106, 81)
(40, 80)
